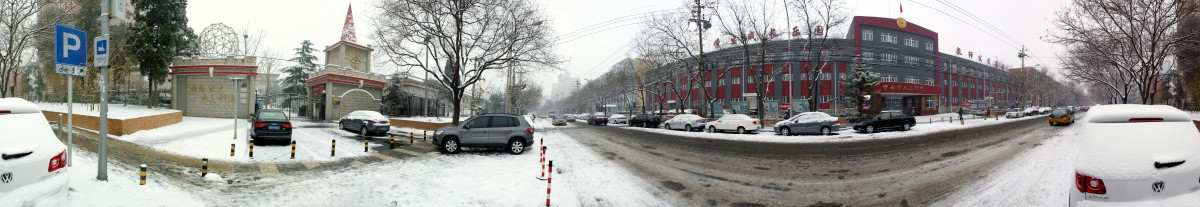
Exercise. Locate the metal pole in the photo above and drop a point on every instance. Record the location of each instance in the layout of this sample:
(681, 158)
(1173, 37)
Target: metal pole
(235, 108)
(70, 117)
(102, 150)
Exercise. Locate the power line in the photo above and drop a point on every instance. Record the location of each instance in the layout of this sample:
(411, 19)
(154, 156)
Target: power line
(977, 19)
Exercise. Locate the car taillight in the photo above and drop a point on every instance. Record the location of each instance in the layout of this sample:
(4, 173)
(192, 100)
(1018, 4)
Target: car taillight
(5, 112)
(753, 122)
(1089, 184)
(260, 125)
(287, 125)
(529, 130)
(57, 162)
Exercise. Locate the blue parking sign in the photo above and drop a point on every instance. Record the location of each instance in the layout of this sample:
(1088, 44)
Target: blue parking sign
(70, 51)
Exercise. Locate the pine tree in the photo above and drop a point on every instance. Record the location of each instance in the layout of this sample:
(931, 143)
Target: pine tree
(297, 76)
(858, 84)
(159, 34)
(395, 99)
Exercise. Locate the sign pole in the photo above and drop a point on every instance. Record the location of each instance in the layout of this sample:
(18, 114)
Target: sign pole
(102, 50)
(70, 117)
(70, 59)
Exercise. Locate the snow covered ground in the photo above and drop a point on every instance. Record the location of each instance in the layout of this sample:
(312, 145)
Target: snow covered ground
(940, 122)
(122, 188)
(115, 111)
(202, 137)
(429, 119)
(1041, 176)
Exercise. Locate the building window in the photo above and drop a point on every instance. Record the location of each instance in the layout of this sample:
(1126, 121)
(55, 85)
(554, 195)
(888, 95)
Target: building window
(911, 42)
(887, 37)
(929, 46)
(868, 56)
(787, 77)
(887, 78)
(911, 79)
(868, 35)
(722, 82)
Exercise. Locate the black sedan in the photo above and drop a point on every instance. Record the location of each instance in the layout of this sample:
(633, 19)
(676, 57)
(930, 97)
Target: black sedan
(271, 125)
(366, 123)
(644, 120)
(893, 120)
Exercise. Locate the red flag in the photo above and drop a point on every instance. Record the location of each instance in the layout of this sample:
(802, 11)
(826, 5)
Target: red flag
(902, 7)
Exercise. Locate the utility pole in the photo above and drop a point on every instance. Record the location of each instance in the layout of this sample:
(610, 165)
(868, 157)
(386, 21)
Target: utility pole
(1021, 54)
(102, 149)
(701, 25)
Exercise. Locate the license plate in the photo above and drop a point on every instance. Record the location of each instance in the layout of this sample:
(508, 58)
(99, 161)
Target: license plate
(273, 127)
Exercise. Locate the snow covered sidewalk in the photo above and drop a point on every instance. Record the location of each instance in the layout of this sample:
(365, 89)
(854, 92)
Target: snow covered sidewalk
(924, 126)
(115, 111)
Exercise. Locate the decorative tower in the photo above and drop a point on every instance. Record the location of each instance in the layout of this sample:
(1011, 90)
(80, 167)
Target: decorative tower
(346, 83)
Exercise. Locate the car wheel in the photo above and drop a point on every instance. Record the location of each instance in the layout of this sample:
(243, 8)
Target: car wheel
(825, 131)
(741, 130)
(785, 131)
(364, 132)
(516, 146)
(450, 146)
(667, 126)
(341, 125)
(688, 127)
(712, 129)
(907, 127)
(870, 129)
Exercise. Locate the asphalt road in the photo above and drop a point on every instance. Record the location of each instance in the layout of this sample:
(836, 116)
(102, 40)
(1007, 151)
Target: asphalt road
(910, 171)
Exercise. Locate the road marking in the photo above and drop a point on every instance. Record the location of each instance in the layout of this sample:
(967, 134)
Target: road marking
(268, 169)
(357, 164)
(384, 157)
(418, 154)
(310, 164)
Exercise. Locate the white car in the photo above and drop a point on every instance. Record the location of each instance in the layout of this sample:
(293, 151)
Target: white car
(618, 119)
(1014, 114)
(32, 162)
(1143, 155)
(730, 122)
(687, 122)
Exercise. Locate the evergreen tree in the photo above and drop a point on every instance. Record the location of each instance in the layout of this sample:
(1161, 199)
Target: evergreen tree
(159, 34)
(858, 84)
(297, 76)
(395, 99)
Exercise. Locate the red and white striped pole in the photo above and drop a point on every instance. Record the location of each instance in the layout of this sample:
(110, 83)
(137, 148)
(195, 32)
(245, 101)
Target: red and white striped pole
(548, 180)
(542, 160)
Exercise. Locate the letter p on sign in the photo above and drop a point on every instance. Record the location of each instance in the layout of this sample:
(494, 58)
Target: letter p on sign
(70, 54)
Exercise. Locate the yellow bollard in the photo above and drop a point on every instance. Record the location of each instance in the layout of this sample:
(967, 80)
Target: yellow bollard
(204, 169)
(332, 147)
(365, 145)
(231, 149)
(410, 137)
(251, 149)
(293, 149)
(142, 180)
(392, 141)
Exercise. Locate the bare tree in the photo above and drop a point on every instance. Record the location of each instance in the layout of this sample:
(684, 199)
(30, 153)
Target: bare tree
(669, 39)
(816, 17)
(18, 28)
(457, 41)
(1136, 37)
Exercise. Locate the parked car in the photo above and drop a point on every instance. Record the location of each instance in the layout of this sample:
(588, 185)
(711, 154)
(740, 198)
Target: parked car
(597, 119)
(271, 125)
(618, 119)
(506, 131)
(1136, 155)
(366, 123)
(1029, 111)
(1045, 110)
(645, 120)
(730, 122)
(1014, 114)
(559, 120)
(808, 123)
(570, 117)
(686, 122)
(886, 120)
(33, 166)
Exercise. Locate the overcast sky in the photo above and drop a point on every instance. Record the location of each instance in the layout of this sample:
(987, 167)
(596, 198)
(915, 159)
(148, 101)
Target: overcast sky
(594, 34)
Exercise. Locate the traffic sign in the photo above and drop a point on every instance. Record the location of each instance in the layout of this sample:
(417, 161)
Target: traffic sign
(100, 57)
(70, 54)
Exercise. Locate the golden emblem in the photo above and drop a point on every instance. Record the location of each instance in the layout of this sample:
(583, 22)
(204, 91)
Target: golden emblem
(900, 22)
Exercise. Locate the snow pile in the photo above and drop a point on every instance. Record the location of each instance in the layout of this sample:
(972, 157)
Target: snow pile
(115, 111)
(122, 188)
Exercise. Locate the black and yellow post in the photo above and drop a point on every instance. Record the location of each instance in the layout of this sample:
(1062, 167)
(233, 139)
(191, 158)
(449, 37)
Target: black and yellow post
(204, 168)
(410, 138)
(251, 149)
(365, 144)
(424, 135)
(231, 149)
(142, 173)
(392, 141)
(332, 147)
(293, 149)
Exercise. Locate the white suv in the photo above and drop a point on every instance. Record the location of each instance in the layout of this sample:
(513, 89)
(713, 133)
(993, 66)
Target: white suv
(32, 165)
(1142, 155)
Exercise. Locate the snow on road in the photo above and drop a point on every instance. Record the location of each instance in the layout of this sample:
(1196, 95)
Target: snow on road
(925, 125)
(472, 178)
(1041, 176)
(121, 189)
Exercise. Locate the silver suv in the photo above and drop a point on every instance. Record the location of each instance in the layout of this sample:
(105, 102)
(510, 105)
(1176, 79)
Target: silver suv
(505, 131)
